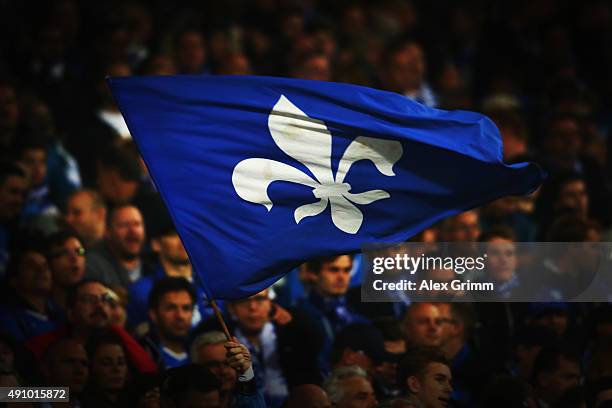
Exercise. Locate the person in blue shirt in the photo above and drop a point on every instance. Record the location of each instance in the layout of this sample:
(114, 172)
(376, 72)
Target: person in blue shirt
(326, 303)
(27, 310)
(173, 262)
(39, 209)
(171, 305)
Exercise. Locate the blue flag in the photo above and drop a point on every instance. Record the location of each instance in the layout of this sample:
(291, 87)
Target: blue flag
(260, 174)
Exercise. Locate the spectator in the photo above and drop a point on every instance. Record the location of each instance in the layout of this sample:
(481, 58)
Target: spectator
(117, 261)
(39, 210)
(463, 227)
(395, 347)
(350, 387)
(190, 52)
(235, 63)
(208, 349)
(66, 258)
(326, 303)
(173, 262)
(88, 317)
(28, 309)
(468, 368)
(86, 214)
(65, 364)
(313, 66)
(272, 335)
(170, 311)
(501, 262)
(108, 373)
(358, 345)
(403, 70)
(118, 174)
(555, 371)
(186, 385)
(425, 374)
(422, 325)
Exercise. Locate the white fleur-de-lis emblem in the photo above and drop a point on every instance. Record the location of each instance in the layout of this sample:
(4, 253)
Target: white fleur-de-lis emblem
(309, 141)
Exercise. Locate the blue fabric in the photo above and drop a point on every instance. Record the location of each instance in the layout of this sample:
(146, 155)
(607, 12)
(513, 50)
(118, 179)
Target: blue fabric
(330, 314)
(170, 360)
(24, 324)
(196, 132)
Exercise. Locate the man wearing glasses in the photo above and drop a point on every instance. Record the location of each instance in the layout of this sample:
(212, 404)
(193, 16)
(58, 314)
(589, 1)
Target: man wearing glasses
(272, 334)
(66, 258)
(89, 308)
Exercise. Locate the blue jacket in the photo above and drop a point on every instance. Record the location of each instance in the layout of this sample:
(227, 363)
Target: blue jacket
(331, 315)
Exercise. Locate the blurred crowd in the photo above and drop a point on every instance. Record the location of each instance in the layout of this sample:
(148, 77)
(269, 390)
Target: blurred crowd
(98, 293)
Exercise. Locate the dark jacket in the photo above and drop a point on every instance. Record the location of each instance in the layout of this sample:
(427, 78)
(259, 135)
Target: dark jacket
(298, 344)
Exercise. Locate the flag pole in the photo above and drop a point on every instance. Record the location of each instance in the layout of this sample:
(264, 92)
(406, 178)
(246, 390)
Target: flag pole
(220, 319)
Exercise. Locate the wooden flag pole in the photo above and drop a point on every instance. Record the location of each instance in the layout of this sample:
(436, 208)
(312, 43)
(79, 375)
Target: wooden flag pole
(220, 318)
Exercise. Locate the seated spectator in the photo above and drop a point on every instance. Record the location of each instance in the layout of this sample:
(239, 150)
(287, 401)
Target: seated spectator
(13, 189)
(468, 368)
(326, 303)
(566, 274)
(28, 309)
(395, 343)
(422, 325)
(464, 227)
(395, 347)
(170, 311)
(65, 364)
(502, 261)
(88, 317)
(190, 52)
(118, 261)
(118, 175)
(555, 371)
(358, 345)
(349, 387)
(527, 343)
(363, 346)
(195, 385)
(66, 257)
(85, 213)
(551, 315)
(424, 373)
(314, 66)
(108, 373)
(403, 70)
(272, 335)
(38, 210)
(208, 349)
(173, 262)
